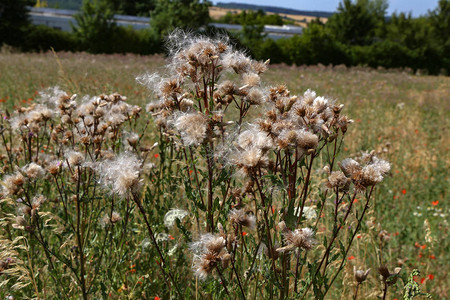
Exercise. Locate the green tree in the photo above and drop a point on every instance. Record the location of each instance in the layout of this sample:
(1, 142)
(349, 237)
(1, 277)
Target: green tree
(440, 20)
(13, 21)
(184, 14)
(95, 25)
(133, 7)
(440, 23)
(356, 22)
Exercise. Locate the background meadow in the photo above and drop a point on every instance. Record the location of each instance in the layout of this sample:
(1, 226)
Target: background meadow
(403, 116)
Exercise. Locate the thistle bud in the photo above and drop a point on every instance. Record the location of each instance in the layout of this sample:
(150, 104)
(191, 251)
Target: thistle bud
(360, 275)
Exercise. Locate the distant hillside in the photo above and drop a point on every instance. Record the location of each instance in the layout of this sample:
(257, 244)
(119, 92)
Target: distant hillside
(274, 9)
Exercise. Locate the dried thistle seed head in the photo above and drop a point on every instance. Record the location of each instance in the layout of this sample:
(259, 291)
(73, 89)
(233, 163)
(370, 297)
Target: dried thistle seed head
(309, 96)
(374, 172)
(282, 226)
(320, 104)
(9, 186)
(255, 97)
(337, 179)
(204, 267)
(227, 88)
(307, 140)
(24, 210)
(254, 138)
(18, 179)
(186, 104)
(384, 272)
(215, 245)
(121, 174)
(21, 223)
(384, 236)
(170, 87)
(192, 127)
(298, 239)
(251, 158)
(207, 243)
(226, 259)
(237, 61)
(360, 275)
(37, 201)
(248, 188)
(221, 47)
(343, 123)
(242, 218)
(74, 158)
(115, 217)
(85, 140)
(132, 139)
(259, 66)
(209, 250)
(65, 119)
(350, 167)
(33, 171)
(251, 79)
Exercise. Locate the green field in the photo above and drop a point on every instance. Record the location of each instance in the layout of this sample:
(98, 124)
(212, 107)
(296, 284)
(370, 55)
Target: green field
(403, 117)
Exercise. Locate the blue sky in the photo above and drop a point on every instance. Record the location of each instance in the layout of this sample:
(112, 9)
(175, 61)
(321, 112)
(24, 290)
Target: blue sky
(417, 7)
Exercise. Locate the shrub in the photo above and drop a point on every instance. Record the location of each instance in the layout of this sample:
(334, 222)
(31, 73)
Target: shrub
(42, 38)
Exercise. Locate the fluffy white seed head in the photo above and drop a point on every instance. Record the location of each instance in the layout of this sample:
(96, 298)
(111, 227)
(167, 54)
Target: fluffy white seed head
(192, 128)
(121, 174)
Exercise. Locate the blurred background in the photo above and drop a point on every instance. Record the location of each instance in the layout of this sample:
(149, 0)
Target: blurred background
(375, 33)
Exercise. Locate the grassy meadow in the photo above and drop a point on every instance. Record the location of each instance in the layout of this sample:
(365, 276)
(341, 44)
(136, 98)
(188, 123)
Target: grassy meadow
(403, 117)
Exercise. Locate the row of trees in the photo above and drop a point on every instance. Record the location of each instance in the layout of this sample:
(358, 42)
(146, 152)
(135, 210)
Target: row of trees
(258, 17)
(359, 33)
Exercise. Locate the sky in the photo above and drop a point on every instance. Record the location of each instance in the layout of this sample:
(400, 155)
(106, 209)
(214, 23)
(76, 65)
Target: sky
(416, 7)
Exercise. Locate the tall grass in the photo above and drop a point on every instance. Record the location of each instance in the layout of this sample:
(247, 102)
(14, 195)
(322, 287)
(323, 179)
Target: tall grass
(403, 118)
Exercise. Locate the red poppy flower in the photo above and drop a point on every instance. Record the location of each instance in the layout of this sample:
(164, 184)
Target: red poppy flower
(351, 257)
(434, 203)
(431, 276)
(403, 191)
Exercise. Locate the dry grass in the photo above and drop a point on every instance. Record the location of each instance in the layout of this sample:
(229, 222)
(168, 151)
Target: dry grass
(300, 20)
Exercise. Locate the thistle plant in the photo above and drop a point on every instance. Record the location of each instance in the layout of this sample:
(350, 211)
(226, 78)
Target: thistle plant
(68, 183)
(251, 154)
(232, 187)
